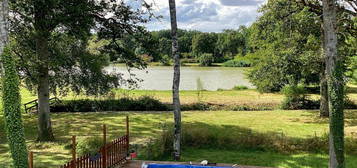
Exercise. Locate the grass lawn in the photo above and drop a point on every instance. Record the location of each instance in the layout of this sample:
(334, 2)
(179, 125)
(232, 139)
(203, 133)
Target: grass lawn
(303, 160)
(299, 124)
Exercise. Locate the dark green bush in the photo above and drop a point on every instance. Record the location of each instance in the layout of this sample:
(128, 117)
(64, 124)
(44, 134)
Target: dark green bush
(239, 87)
(195, 106)
(237, 63)
(145, 103)
(165, 60)
(89, 146)
(206, 59)
(296, 98)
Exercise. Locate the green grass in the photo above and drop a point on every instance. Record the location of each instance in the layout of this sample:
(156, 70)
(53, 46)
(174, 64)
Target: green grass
(298, 124)
(303, 160)
(144, 125)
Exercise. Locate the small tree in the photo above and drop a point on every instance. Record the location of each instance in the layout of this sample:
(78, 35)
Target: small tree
(12, 111)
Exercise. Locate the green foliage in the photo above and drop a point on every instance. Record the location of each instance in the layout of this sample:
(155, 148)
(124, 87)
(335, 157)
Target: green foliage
(233, 42)
(204, 43)
(165, 60)
(296, 98)
(76, 58)
(236, 63)
(206, 59)
(11, 100)
(240, 87)
(89, 146)
(288, 54)
(144, 103)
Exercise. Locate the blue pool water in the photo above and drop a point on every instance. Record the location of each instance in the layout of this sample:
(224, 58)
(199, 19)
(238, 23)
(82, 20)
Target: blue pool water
(179, 166)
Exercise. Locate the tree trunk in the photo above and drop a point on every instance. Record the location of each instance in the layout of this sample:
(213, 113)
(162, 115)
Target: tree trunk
(44, 119)
(4, 25)
(42, 51)
(324, 112)
(335, 86)
(176, 82)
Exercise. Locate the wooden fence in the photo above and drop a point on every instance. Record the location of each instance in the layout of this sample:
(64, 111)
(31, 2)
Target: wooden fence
(110, 154)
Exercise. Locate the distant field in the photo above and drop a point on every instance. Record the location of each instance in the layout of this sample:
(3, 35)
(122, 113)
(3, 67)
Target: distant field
(300, 124)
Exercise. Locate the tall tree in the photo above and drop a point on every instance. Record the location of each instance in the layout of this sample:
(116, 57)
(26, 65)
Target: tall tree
(51, 42)
(347, 11)
(176, 82)
(11, 96)
(334, 69)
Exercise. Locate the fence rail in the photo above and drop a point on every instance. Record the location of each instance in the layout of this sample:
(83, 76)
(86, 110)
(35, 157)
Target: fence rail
(111, 154)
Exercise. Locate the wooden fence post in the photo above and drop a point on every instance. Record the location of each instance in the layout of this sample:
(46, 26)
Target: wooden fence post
(127, 127)
(104, 163)
(127, 134)
(74, 158)
(30, 158)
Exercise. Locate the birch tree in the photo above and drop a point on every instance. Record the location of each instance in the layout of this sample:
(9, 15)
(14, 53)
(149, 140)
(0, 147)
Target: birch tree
(335, 82)
(176, 82)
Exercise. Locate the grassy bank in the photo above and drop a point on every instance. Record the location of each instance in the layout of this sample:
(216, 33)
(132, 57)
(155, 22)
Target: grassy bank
(298, 124)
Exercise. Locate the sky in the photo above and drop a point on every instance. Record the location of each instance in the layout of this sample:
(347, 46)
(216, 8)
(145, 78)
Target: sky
(206, 15)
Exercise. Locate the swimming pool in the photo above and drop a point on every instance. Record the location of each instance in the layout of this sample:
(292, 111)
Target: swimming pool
(177, 166)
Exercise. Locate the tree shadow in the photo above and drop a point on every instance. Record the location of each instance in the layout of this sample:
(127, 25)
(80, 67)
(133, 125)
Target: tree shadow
(241, 145)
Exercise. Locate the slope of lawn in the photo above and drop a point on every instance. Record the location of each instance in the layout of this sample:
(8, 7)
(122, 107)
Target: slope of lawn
(145, 125)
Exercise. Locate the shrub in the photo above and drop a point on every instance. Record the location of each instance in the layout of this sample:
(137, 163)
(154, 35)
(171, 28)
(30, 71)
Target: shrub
(237, 63)
(89, 146)
(195, 106)
(206, 59)
(165, 60)
(144, 103)
(296, 98)
(239, 87)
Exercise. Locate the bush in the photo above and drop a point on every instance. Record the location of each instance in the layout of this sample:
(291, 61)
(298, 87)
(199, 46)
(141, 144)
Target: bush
(206, 59)
(237, 63)
(89, 146)
(296, 98)
(165, 60)
(144, 103)
(238, 87)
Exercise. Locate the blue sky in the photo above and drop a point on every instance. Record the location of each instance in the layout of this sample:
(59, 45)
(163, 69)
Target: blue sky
(206, 15)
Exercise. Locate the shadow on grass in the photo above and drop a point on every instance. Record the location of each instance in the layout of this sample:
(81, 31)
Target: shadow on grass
(240, 145)
(83, 125)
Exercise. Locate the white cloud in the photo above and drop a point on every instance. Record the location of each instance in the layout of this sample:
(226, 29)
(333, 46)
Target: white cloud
(206, 15)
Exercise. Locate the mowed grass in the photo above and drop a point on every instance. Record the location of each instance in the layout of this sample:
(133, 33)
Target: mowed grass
(144, 125)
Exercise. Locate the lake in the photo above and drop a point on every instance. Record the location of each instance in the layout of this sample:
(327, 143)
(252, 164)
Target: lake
(212, 78)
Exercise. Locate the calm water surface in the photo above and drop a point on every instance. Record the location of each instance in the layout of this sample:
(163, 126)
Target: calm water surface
(160, 77)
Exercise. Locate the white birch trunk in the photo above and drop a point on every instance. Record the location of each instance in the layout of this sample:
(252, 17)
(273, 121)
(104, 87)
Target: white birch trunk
(335, 86)
(4, 24)
(176, 82)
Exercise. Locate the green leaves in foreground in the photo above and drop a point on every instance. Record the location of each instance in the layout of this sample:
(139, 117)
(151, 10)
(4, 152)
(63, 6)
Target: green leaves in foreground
(12, 112)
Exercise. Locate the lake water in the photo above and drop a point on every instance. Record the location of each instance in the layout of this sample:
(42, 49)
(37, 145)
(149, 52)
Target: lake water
(212, 78)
